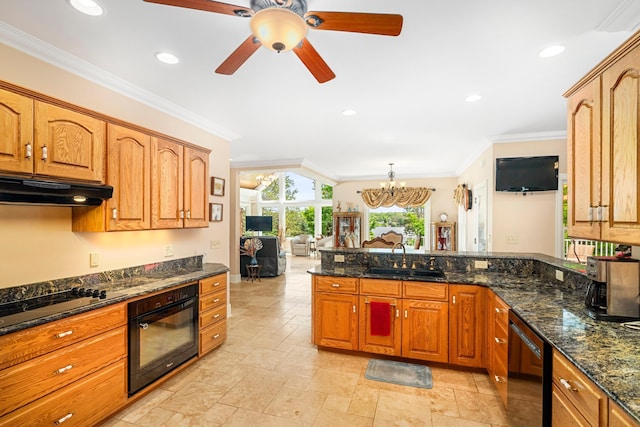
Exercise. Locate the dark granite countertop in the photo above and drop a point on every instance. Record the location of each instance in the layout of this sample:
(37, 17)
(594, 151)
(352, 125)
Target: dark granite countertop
(608, 353)
(127, 288)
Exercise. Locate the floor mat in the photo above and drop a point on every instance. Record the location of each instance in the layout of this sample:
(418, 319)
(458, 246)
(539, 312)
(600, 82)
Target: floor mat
(401, 373)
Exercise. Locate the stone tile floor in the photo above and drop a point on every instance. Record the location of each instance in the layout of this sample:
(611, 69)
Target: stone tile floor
(269, 374)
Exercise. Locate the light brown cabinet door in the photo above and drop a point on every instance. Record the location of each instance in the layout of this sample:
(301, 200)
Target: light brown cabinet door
(68, 144)
(563, 413)
(129, 172)
(196, 188)
(16, 133)
(382, 344)
(620, 139)
(618, 417)
(425, 331)
(167, 182)
(466, 322)
(584, 161)
(336, 320)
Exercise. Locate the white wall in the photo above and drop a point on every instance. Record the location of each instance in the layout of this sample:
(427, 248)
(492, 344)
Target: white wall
(37, 242)
(531, 219)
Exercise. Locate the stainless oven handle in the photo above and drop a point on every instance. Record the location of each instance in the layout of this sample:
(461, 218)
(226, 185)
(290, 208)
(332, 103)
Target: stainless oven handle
(534, 348)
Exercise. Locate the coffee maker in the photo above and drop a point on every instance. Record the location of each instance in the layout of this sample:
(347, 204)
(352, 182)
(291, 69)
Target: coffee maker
(614, 291)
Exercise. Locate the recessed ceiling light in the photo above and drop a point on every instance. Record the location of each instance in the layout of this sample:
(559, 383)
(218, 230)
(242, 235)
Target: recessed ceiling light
(473, 98)
(349, 112)
(88, 7)
(551, 51)
(167, 58)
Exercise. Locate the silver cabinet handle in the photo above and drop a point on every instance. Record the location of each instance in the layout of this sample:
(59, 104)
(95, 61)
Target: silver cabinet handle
(335, 285)
(216, 336)
(454, 299)
(64, 334)
(498, 310)
(63, 419)
(188, 214)
(144, 326)
(215, 285)
(216, 300)
(216, 316)
(181, 214)
(498, 379)
(590, 213)
(397, 313)
(406, 314)
(28, 151)
(45, 153)
(499, 340)
(114, 213)
(354, 308)
(568, 385)
(62, 370)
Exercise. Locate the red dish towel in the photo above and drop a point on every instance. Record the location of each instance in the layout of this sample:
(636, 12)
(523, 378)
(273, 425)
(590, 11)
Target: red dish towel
(380, 318)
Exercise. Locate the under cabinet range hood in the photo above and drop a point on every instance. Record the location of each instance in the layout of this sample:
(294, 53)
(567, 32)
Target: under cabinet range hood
(30, 191)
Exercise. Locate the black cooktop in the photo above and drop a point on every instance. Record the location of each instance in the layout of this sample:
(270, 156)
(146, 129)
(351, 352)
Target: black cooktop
(50, 304)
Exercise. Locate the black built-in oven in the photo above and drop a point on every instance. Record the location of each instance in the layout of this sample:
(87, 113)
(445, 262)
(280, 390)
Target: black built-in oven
(529, 378)
(163, 334)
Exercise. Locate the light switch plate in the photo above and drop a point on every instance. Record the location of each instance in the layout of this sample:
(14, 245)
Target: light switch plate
(481, 264)
(560, 275)
(94, 260)
(338, 258)
(168, 250)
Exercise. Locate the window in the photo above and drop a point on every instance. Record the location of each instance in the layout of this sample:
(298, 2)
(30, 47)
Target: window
(406, 221)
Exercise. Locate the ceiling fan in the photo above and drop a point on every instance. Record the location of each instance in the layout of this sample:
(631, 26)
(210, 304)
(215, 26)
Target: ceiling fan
(281, 25)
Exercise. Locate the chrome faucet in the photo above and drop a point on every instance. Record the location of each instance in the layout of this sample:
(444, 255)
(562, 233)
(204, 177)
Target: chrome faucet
(404, 255)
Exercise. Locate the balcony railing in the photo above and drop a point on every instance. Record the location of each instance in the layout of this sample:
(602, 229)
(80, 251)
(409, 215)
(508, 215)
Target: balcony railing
(577, 250)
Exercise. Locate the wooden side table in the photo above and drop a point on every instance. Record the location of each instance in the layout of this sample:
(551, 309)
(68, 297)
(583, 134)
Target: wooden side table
(312, 247)
(253, 272)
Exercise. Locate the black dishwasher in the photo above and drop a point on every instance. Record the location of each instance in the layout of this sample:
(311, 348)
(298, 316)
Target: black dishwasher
(529, 379)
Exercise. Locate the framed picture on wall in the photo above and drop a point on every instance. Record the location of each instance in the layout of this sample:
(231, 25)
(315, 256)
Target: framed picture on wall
(217, 186)
(215, 212)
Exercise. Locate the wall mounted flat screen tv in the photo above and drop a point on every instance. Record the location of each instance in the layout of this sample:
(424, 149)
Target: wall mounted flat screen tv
(525, 174)
(259, 223)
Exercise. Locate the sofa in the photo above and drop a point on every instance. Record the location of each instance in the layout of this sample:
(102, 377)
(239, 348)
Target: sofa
(270, 257)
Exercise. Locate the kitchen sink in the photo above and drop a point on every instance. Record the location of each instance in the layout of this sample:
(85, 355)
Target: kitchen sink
(391, 271)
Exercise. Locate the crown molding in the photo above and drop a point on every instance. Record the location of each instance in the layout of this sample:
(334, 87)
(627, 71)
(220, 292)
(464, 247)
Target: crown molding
(52, 55)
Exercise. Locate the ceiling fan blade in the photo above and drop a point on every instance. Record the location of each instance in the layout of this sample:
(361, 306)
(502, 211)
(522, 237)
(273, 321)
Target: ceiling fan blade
(208, 6)
(314, 63)
(239, 56)
(368, 23)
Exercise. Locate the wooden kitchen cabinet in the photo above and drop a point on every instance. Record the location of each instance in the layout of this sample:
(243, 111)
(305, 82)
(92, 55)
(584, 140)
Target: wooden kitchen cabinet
(68, 144)
(425, 330)
(212, 317)
(498, 343)
(619, 418)
(386, 292)
(576, 400)
(335, 312)
(129, 172)
(467, 325)
(604, 133)
(16, 137)
(72, 370)
(179, 186)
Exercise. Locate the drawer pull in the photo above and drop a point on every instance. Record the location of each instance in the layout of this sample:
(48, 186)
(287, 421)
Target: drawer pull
(499, 340)
(64, 334)
(216, 336)
(29, 151)
(45, 153)
(216, 300)
(335, 285)
(498, 379)
(62, 370)
(215, 285)
(216, 316)
(63, 419)
(498, 310)
(567, 385)
(397, 313)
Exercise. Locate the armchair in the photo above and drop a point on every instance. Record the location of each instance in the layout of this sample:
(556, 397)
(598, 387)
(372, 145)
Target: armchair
(300, 244)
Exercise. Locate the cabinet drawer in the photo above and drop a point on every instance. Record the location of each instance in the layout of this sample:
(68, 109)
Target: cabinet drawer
(210, 301)
(391, 288)
(500, 375)
(501, 312)
(23, 345)
(588, 399)
(563, 413)
(500, 342)
(83, 403)
(336, 284)
(210, 317)
(426, 290)
(213, 336)
(35, 378)
(213, 284)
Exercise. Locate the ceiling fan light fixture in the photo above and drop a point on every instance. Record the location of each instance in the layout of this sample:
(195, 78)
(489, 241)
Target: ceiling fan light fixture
(278, 29)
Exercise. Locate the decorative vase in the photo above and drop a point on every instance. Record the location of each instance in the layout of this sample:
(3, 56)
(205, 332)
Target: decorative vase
(253, 261)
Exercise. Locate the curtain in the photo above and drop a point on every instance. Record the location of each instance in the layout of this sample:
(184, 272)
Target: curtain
(402, 197)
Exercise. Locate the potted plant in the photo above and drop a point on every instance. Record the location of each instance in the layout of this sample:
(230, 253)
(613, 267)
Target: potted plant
(250, 248)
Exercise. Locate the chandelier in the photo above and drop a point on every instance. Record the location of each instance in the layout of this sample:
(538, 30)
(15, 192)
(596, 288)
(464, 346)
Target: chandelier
(389, 194)
(265, 179)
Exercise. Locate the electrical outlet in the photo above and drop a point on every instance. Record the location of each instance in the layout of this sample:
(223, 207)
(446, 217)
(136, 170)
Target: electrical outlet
(560, 275)
(94, 260)
(481, 264)
(338, 258)
(168, 250)
(214, 244)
